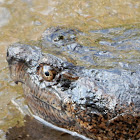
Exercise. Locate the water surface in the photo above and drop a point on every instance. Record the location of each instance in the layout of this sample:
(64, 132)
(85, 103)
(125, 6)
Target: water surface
(105, 22)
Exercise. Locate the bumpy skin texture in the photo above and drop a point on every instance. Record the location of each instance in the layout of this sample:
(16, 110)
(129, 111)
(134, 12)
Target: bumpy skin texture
(100, 104)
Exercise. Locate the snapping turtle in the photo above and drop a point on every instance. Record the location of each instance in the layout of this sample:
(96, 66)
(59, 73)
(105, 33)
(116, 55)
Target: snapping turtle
(98, 103)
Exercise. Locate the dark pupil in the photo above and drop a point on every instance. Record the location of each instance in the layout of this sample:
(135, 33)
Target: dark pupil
(47, 73)
(61, 37)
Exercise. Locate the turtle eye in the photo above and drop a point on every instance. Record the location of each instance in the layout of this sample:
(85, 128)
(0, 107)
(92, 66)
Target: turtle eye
(48, 73)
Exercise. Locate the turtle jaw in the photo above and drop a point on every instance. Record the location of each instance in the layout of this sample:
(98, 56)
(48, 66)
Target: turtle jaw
(16, 72)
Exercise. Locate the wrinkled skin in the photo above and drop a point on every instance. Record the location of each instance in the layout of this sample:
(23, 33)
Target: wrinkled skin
(98, 103)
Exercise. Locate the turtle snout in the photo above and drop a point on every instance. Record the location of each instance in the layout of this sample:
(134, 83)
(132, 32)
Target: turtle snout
(13, 52)
(23, 53)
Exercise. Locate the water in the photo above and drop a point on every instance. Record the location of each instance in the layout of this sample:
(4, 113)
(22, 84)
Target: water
(25, 20)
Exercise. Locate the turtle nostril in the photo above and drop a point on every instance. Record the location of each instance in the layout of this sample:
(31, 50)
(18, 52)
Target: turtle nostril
(7, 53)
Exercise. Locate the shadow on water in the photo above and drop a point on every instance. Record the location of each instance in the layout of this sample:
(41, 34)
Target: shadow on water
(34, 130)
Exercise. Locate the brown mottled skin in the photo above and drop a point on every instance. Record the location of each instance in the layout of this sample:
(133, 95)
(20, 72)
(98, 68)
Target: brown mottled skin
(98, 103)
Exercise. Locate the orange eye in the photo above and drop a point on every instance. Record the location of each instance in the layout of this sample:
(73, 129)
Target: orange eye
(48, 73)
